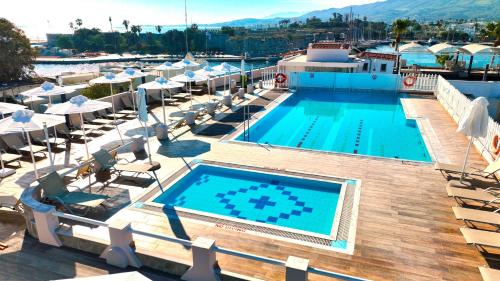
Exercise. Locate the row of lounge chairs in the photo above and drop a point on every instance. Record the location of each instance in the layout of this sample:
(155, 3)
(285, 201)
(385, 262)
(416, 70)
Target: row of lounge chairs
(56, 192)
(478, 198)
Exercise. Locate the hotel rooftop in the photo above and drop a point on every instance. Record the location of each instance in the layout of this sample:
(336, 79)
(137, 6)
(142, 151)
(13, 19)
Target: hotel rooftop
(327, 169)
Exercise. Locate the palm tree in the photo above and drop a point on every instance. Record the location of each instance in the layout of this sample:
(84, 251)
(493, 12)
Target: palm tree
(72, 26)
(399, 27)
(79, 22)
(126, 24)
(158, 28)
(111, 24)
(493, 31)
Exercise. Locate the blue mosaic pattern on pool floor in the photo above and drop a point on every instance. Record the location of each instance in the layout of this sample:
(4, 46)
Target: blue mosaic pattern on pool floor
(301, 204)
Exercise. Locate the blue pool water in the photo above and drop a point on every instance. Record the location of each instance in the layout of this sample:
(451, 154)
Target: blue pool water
(369, 124)
(429, 60)
(302, 204)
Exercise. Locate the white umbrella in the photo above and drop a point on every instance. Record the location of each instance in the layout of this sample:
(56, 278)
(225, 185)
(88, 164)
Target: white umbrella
(110, 78)
(143, 116)
(474, 123)
(188, 77)
(227, 69)
(185, 63)
(79, 105)
(161, 84)
(25, 121)
(209, 72)
(47, 89)
(167, 66)
(7, 108)
(132, 74)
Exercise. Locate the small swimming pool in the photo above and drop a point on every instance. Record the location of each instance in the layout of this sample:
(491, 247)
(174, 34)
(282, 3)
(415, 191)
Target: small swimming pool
(357, 123)
(296, 203)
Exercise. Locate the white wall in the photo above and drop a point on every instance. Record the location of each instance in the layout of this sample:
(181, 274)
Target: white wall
(328, 55)
(488, 89)
(345, 81)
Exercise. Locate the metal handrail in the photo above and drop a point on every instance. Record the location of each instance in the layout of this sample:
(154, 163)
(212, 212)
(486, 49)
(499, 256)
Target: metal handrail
(334, 274)
(80, 219)
(249, 256)
(183, 242)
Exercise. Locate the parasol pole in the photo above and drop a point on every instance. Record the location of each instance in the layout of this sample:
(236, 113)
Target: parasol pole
(112, 102)
(49, 149)
(465, 160)
(163, 107)
(84, 136)
(32, 155)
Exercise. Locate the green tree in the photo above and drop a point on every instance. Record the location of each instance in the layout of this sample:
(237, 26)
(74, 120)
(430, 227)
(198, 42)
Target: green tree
(399, 27)
(79, 22)
(64, 41)
(493, 32)
(16, 55)
(158, 29)
(126, 23)
(442, 59)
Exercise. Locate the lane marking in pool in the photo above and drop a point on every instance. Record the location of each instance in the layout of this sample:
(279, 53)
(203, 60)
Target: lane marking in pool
(358, 136)
(304, 137)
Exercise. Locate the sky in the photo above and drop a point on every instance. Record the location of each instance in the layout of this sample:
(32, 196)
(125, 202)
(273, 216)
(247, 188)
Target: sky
(37, 17)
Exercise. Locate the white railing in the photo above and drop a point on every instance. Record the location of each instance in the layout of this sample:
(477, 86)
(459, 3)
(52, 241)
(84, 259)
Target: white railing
(121, 251)
(269, 78)
(456, 104)
(421, 82)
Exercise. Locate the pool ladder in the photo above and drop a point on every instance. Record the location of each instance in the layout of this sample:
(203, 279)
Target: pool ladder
(246, 122)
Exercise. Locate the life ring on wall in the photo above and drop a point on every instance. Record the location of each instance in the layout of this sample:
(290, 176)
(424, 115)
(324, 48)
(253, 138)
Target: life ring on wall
(495, 146)
(280, 78)
(409, 81)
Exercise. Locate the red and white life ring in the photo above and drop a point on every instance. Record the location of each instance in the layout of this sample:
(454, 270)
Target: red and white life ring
(409, 81)
(280, 78)
(495, 146)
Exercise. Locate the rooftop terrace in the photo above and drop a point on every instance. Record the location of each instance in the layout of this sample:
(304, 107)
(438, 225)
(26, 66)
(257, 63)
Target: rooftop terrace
(406, 229)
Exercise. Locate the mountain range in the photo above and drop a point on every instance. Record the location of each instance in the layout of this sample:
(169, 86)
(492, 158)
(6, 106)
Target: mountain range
(389, 10)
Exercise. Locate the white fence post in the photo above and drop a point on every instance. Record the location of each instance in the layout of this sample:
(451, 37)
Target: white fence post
(204, 261)
(296, 269)
(120, 252)
(46, 224)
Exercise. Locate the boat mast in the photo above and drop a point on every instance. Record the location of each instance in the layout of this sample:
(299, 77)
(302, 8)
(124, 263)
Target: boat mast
(186, 21)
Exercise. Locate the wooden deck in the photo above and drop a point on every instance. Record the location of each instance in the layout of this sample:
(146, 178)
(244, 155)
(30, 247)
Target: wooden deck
(405, 231)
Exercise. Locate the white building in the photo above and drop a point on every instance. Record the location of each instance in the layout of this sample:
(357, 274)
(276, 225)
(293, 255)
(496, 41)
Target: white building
(335, 57)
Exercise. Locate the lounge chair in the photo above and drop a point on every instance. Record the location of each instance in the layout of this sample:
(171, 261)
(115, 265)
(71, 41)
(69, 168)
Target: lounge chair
(481, 238)
(127, 102)
(488, 172)
(462, 196)
(106, 161)
(15, 142)
(39, 137)
(55, 191)
(9, 158)
(477, 216)
(91, 118)
(489, 274)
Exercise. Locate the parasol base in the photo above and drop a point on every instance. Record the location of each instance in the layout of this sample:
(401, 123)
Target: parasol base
(463, 184)
(6, 172)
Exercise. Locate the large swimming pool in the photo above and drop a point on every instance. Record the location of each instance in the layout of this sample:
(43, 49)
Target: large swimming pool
(290, 202)
(357, 123)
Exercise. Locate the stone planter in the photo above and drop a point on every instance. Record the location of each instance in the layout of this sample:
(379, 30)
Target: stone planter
(190, 117)
(211, 106)
(241, 93)
(250, 89)
(227, 100)
(161, 132)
